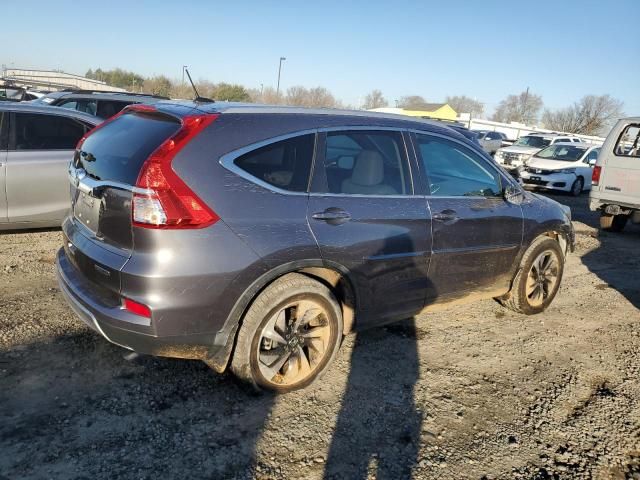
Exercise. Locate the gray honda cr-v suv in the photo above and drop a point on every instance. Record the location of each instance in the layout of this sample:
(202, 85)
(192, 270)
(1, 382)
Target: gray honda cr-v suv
(256, 237)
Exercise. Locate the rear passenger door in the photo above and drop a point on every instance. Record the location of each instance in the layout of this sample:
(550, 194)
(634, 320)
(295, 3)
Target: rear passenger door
(4, 140)
(476, 232)
(366, 217)
(40, 149)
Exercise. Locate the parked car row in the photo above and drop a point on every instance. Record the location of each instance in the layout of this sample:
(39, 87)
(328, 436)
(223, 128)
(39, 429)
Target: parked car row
(256, 237)
(515, 156)
(98, 103)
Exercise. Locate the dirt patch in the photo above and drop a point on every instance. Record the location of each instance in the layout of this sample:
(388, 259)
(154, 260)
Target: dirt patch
(474, 391)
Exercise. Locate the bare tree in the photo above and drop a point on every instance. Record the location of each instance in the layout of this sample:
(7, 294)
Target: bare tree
(523, 108)
(412, 102)
(591, 115)
(374, 100)
(313, 97)
(464, 104)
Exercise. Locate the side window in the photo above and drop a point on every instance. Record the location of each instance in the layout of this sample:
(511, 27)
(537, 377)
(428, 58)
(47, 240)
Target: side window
(70, 104)
(46, 132)
(108, 108)
(628, 144)
(454, 170)
(285, 164)
(593, 155)
(366, 162)
(493, 136)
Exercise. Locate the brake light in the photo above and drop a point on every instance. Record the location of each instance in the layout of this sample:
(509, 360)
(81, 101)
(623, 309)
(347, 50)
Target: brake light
(595, 175)
(169, 202)
(137, 308)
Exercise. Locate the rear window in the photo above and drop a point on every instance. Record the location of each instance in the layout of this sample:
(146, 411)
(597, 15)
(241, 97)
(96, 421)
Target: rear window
(117, 151)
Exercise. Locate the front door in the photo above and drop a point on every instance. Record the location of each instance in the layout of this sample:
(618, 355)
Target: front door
(365, 218)
(476, 233)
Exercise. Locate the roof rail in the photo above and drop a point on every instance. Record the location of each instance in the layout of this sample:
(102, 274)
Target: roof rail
(132, 94)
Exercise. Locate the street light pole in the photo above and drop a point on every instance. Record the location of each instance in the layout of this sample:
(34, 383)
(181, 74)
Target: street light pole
(279, 70)
(183, 67)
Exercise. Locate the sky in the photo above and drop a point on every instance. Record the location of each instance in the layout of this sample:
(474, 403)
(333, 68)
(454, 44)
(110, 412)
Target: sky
(488, 49)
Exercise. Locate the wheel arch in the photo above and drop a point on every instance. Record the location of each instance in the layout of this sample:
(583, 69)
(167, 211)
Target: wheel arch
(335, 276)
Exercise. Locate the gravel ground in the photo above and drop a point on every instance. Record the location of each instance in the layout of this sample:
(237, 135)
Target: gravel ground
(475, 391)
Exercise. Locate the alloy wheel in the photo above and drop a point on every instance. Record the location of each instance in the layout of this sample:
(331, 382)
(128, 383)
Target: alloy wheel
(294, 342)
(542, 278)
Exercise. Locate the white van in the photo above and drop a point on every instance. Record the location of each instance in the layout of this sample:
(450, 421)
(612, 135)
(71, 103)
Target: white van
(615, 181)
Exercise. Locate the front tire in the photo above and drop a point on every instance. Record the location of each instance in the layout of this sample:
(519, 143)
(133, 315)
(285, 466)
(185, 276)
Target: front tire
(576, 188)
(289, 336)
(538, 279)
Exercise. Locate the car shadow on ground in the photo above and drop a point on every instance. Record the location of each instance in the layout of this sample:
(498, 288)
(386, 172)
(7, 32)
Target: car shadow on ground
(615, 261)
(74, 407)
(379, 401)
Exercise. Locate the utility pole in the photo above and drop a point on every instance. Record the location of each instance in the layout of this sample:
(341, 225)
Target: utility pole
(183, 67)
(279, 70)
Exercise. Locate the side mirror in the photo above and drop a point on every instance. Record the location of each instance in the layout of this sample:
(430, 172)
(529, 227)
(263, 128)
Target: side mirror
(513, 194)
(592, 162)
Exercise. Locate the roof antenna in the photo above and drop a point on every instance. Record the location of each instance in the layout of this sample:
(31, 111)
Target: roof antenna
(198, 97)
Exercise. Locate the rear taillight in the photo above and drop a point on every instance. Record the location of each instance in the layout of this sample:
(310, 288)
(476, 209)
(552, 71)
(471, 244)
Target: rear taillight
(136, 308)
(168, 202)
(595, 175)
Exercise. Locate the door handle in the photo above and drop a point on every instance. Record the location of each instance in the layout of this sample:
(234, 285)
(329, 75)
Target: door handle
(333, 216)
(445, 216)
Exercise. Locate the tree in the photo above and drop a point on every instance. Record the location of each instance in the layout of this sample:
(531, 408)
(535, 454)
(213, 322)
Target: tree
(374, 100)
(118, 78)
(464, 104)
(522, 108)
(591, 115)
(412, 102)
(313, 97)
(158, 85)
(230, 93)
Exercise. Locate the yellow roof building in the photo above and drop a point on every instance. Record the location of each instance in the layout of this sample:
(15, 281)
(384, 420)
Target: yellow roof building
(440, 111)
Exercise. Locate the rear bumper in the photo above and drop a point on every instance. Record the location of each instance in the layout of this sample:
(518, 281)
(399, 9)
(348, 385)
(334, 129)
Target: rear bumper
(123, 328)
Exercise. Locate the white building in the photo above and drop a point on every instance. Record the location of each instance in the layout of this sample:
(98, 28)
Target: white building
(52, 80)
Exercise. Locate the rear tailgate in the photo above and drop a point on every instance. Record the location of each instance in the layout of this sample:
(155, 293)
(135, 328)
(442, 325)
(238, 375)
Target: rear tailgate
(99, 237)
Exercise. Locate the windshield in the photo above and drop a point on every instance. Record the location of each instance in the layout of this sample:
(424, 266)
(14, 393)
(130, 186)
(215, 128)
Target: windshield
(565, 153)
(537, 142)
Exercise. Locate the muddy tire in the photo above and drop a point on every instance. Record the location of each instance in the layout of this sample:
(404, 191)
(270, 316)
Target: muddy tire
(289, 336)
(613, 223)
(538, 279)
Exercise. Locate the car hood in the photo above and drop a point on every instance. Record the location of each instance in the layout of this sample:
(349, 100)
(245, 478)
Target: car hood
(520, 149)
(547, 164)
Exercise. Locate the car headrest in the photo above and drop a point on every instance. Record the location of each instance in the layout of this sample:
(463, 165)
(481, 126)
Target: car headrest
(369, 168)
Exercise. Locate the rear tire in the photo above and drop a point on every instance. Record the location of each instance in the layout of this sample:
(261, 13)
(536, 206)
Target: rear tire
(538, 279)
(613, 223)
(289, 336)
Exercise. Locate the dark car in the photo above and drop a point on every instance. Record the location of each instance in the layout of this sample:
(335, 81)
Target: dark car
(256, 237)
(98, 103)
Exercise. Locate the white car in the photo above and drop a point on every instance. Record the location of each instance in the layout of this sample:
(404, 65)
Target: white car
(525, 147)
(562, 166)
(490, 141)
